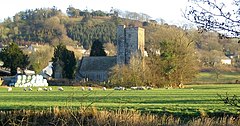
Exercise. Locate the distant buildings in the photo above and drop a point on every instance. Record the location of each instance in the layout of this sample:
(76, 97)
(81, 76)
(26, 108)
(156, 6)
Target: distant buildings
(130, 41)
(47, 71)
(226, 61)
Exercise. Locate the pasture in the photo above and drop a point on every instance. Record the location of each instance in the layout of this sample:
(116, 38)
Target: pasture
(194, 100)
(211, 77)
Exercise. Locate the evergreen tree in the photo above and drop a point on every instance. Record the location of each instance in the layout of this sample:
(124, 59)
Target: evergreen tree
(69, 64)
(66, 59)
(97, 49)
(13, 58)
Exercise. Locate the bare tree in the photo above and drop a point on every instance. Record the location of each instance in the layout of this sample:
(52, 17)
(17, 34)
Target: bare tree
(110, 49)
(215, 15)
(172, 58)
(40, 58)
(134, 74)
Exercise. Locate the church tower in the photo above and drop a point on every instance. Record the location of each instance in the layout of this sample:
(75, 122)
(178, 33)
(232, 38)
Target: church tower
(130, 41)
(121, 45)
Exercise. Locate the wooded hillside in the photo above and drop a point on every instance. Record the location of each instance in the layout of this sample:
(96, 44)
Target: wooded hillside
(82, 27)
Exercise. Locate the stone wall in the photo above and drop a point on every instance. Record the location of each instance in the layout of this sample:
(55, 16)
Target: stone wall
(121, 44)
(130, 40)
(95, 75)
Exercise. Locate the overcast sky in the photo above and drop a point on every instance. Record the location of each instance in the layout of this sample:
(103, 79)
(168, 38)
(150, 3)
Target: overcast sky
(169, 10)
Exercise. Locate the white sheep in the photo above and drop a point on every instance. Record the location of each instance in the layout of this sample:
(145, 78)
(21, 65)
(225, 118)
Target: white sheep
(39, 89)
(30, 89)
(123, 88)
(134, 88)
(50, 88)
(149, 88)
(9, 89)
(116, 88)
(82, 88)
(104, 88)
(119, 88)
(24, 89)
(141, 88)
(90, 88)
(169, 87)
(45, 89)
(60, 88)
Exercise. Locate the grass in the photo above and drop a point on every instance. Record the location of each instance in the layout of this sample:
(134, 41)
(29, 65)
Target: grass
(200, 101)
(93, 117)
(211, 77)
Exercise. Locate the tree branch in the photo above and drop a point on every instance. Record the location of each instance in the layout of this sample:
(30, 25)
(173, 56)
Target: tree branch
(215, 18)
(230, 100)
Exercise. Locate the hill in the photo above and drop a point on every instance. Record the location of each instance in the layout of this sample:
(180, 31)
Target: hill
(82, 27)
(52, 26)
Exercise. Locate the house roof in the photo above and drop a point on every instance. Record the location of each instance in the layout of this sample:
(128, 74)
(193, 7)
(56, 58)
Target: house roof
(98, 63)
(48, 69)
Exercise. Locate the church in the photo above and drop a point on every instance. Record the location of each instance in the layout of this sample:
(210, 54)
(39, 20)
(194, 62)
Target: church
(130, 40)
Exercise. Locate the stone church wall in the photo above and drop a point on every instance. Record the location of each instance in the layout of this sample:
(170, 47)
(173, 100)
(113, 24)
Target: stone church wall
(130, 40)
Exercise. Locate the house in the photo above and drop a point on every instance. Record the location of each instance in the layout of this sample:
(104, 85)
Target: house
(47, 71)
(226, 61)
(32, 48)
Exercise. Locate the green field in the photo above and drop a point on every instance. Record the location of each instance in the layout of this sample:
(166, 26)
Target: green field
(211, 77)
(192, 100)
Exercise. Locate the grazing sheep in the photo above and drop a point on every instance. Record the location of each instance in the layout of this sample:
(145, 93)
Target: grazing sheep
(149, 88)
(119, 88)
(50, 88)
(90, 88)
(169, 87)
(138, 88)
(9, 89)
(30, 89)
(134, 88)
(60, 88)
(141, 88)
(181, 86)
(39, 89)
(104, 88)
(45, 89)
(82, 88)
(24, 89)
(116, 88)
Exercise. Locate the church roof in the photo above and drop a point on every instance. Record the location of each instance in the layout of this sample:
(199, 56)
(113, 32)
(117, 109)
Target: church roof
(98, 63)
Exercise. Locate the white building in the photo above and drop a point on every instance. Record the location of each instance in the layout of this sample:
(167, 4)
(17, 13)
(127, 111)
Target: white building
(47, 71)
(226, 61)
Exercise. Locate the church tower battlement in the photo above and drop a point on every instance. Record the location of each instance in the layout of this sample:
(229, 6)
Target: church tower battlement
(130, 41)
